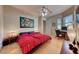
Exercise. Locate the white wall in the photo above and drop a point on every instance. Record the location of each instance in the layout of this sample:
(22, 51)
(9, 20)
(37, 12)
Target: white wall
(54, 19)
(48, 26)
(40, 24)
(11, 20)
(1, 25)
(48, 29)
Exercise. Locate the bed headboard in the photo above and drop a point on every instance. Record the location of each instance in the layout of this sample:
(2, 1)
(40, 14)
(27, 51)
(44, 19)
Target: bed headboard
(26, 32)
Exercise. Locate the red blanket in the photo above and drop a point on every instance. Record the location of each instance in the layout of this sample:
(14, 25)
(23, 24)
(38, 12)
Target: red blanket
(28, 41)
(40, 36)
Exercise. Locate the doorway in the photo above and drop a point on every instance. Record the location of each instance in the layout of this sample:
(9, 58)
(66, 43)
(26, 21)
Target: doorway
(44, 26)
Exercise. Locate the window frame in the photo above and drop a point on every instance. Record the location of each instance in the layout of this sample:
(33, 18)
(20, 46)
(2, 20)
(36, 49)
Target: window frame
(64, 24)
(58, 24)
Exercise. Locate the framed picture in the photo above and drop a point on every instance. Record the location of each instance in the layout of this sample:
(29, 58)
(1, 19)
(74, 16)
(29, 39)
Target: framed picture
(26, 22)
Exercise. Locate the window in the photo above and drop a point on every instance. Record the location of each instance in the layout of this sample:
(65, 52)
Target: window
(77, 18)
(67, 20)
(59, 23)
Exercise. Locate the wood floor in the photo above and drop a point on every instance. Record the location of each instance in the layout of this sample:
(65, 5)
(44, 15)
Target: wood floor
(50, 47)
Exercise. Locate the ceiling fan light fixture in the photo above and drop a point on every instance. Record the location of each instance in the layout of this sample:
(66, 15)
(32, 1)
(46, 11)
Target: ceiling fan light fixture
(44, 11)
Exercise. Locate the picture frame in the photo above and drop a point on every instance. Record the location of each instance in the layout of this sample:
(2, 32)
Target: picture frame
(26, 22)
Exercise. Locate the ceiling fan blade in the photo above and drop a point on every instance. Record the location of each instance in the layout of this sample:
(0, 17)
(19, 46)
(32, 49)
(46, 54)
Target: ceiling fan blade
(49, 10)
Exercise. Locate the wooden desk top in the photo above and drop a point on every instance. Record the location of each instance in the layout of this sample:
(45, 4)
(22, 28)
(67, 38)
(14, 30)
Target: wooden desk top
(63, 30)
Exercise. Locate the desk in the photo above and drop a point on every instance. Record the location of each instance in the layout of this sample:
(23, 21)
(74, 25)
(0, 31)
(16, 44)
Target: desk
(61, 33)
(64, 33)
(63, 30)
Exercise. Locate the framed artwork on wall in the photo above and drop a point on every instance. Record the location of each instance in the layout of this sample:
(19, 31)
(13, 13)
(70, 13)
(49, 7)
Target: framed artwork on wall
(26, 22)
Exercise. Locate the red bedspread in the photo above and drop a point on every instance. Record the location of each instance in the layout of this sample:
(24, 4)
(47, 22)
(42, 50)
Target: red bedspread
(42, 37)
(28, 41)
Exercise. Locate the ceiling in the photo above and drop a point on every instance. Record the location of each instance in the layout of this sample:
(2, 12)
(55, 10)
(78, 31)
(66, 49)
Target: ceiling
(35, 9)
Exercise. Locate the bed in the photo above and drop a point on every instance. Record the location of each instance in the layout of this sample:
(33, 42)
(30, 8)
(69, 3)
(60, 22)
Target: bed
(27, 41)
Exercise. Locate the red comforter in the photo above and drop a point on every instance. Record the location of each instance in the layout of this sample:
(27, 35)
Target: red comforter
(28, 41)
